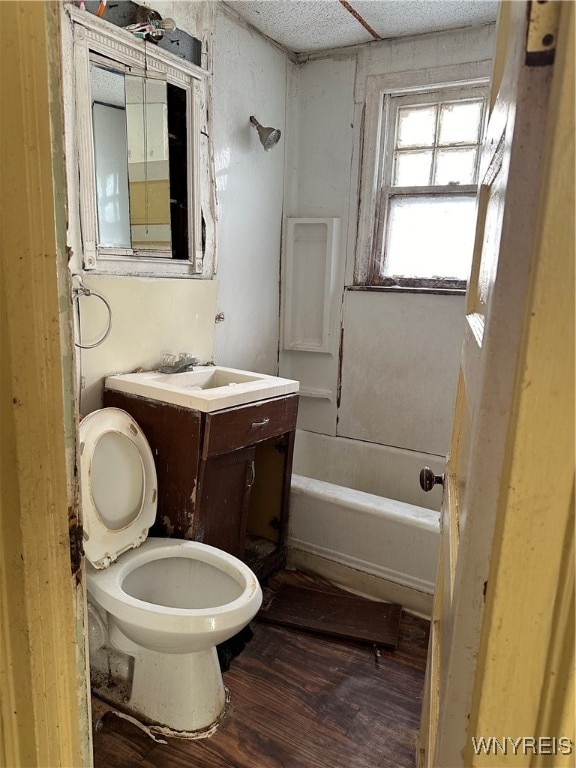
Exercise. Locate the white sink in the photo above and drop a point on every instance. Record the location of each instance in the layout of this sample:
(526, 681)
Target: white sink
(206, 388)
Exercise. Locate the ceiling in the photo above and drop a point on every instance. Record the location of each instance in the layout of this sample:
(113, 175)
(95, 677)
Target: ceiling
(303, 26)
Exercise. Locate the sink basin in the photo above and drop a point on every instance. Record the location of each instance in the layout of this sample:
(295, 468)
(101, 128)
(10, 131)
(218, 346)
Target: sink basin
(206, 388)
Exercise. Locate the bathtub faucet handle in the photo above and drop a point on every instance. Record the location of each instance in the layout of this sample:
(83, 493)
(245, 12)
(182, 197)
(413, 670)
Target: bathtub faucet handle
(428, 479)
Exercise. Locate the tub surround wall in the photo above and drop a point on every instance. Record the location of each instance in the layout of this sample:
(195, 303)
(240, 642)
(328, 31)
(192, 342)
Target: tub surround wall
(320, 182)
(399, 353)
(404, 397)
(365, 466)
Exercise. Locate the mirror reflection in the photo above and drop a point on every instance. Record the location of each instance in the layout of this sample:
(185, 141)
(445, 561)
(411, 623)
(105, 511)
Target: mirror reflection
(148, 170)
(139, 126)
(110, 157)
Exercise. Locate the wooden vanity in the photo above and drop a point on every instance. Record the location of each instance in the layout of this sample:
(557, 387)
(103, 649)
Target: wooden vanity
(224, 476)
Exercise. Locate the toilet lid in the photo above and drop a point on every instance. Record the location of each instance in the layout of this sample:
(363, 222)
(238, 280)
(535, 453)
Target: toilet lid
(118, 485)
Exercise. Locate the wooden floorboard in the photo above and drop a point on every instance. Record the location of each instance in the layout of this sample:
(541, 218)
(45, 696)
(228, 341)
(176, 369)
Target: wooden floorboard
(298, 701)
(337, 615)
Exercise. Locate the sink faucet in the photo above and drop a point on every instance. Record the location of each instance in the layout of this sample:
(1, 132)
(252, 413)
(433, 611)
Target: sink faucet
(173, 364)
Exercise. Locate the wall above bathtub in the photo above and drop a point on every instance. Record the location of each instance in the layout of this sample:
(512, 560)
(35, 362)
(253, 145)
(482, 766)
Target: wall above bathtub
(392, 373)
(401, 358)
(249, 79)
(320, 182)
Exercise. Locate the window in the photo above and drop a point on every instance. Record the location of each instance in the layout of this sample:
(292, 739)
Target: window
(425, 198)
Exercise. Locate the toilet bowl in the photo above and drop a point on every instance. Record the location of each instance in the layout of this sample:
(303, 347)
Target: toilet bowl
(165, 603)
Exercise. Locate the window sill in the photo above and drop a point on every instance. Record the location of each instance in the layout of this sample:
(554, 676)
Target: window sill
(407, 289)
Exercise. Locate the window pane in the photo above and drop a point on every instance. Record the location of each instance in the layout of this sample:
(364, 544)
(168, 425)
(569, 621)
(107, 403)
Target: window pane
(412, 168)
(460, 123)
(430, 236)
(455, 166)
(416, 126)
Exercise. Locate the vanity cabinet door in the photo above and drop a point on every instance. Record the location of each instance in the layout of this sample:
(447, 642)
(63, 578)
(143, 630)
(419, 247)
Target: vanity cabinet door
(224, 487)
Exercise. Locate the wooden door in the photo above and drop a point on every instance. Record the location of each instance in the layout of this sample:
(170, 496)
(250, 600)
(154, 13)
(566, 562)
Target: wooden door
(499, 320)
(224, 487)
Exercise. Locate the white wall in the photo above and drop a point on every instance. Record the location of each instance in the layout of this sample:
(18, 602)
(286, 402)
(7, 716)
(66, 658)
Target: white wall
(400, 352)
(150, 317)
(400, 368)
(320, 184)
(249, 79)
(369, 467)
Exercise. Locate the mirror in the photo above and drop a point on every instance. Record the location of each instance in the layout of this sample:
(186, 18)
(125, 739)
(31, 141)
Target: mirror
(110, 157)
(140, 148)
(148, 163)
(145, 165)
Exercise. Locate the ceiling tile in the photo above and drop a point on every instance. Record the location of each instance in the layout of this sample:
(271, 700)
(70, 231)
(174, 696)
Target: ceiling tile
(303, 25)
(400, 18)
(314, 25)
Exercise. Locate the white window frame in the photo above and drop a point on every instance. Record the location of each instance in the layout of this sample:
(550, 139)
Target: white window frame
(92, 37)
(377, 159)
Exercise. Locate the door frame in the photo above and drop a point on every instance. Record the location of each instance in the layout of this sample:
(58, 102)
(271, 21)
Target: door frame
(45, 711)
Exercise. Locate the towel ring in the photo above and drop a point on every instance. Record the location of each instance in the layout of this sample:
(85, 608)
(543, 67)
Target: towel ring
(83, 291)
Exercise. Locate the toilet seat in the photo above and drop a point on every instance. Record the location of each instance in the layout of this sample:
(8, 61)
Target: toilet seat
(118, 485)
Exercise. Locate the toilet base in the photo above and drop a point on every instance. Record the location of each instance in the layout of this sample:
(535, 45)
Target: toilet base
(184, 692)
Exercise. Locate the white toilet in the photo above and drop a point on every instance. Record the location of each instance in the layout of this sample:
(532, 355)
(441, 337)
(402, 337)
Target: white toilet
(166, 603)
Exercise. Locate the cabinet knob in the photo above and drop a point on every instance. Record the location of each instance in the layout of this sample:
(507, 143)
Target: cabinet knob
(428, 479)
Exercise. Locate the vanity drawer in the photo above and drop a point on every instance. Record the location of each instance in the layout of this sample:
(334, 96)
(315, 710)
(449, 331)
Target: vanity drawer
(235, 428)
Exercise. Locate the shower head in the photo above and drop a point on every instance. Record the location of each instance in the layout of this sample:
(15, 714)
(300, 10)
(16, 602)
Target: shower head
(269, 137)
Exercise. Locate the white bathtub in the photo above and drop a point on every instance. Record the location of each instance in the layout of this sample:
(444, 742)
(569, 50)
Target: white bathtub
(359, 517)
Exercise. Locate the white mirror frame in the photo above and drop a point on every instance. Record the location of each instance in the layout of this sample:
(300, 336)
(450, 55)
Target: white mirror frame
(91, 34)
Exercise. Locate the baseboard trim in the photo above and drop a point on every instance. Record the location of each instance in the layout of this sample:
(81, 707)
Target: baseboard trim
(364, 566)
(359, 582)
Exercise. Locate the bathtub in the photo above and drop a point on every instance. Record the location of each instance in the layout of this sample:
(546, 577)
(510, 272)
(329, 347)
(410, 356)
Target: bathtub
(358, 517)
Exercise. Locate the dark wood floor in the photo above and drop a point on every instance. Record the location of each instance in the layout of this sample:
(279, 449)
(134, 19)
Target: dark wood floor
(298, 701)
